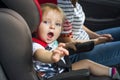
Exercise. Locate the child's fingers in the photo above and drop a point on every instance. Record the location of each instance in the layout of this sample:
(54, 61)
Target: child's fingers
(65, 51)
(61, 51)
(57, 54)
(56, 57)
(61, 45)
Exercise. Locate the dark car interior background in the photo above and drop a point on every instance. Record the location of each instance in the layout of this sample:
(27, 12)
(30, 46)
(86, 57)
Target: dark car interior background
(101, 14)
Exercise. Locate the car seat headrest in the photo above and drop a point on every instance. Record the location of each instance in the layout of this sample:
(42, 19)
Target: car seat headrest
(47, 1)
(29, 9)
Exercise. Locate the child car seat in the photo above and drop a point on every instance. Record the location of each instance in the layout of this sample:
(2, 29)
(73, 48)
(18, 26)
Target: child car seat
(16, 24)
(15, 47)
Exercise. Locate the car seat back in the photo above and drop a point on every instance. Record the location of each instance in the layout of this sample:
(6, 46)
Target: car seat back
(15, 47)
(29, 9)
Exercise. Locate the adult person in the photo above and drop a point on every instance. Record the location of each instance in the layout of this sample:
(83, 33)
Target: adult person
(75, 30)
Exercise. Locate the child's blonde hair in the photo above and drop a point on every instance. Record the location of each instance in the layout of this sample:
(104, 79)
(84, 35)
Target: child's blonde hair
(54, 7)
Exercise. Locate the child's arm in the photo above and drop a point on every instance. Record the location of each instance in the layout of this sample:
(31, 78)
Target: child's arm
(51, 57)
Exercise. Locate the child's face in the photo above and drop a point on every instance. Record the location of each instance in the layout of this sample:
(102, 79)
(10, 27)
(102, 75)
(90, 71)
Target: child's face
(51, 25)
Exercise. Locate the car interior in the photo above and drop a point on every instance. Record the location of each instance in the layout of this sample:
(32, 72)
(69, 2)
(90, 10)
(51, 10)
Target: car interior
(101, 14)
(18, 18)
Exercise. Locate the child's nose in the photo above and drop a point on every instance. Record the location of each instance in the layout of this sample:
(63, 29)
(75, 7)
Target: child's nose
(52, 26)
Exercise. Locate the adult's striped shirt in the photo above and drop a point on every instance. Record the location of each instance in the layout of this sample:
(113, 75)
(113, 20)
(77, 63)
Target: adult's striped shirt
(75, 18)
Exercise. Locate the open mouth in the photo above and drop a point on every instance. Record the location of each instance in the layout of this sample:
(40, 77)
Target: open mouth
(50, 34)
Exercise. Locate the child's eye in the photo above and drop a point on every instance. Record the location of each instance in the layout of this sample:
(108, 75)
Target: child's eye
(46, 22)
(58, 24)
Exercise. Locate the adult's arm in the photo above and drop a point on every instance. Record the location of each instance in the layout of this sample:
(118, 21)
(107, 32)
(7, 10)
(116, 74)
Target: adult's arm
(91, 33)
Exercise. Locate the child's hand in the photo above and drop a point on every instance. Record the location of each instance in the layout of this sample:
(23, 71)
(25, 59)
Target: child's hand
(59, 52)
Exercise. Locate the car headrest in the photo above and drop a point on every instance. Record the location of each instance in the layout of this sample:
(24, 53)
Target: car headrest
(29, 9)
